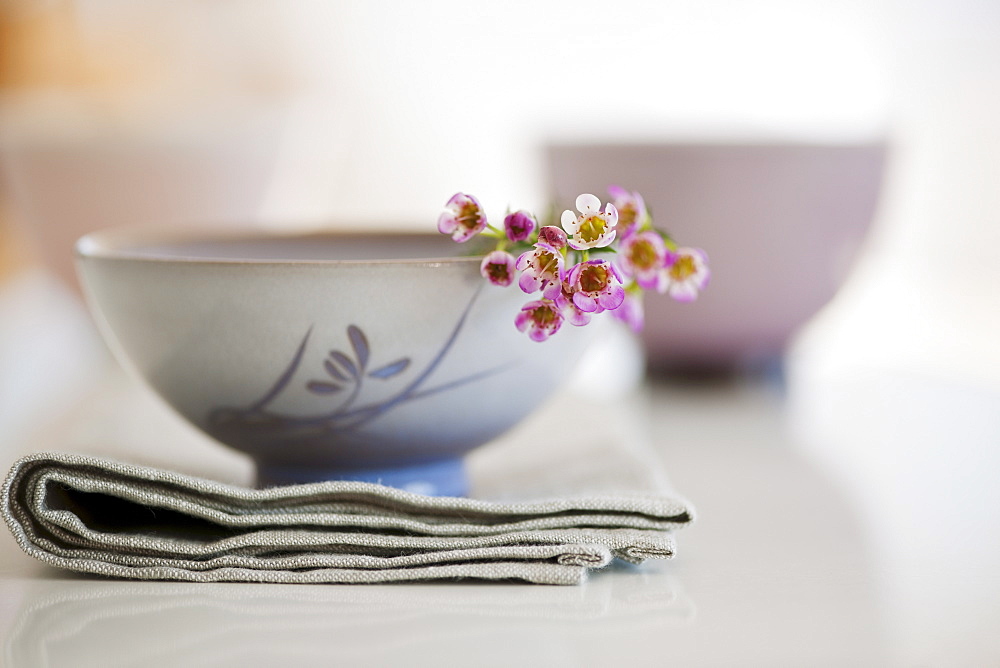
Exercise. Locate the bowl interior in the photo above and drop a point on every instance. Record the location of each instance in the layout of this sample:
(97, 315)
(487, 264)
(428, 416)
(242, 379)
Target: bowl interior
(327, 247)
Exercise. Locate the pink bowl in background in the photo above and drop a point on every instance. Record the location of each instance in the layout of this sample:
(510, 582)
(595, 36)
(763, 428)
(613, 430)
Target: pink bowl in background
(781, 223)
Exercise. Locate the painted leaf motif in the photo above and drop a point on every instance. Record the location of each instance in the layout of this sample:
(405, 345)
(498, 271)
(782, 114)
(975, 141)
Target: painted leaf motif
(332, 369)
(321, 387)
(360, 344)
(345, 362)
(390, 370)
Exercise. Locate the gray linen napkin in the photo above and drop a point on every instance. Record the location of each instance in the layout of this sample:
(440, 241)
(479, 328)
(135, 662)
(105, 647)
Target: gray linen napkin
(97, 515)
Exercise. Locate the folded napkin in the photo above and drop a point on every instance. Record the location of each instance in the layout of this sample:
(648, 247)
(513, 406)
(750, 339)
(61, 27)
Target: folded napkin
(101, 516)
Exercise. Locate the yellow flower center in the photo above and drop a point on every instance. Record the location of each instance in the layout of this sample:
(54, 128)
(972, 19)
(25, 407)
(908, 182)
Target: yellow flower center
(683, 268)
(592, 228)
(627, 215)
(547, 264)
(543, 316)
(468, 216)
(643, 255)
(594, 278)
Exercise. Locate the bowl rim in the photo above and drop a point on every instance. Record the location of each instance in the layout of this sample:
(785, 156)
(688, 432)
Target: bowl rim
(125, 243)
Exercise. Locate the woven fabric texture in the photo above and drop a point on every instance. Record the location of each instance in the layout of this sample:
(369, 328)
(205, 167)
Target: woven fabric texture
(97, 515)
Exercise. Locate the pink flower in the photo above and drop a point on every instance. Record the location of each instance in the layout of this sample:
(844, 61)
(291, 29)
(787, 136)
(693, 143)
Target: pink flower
(553, 236)
(498, 268)
(570, 311)
(631, 311)
(596, 286)
(542, 268)
(687, 273)
(541, 319)
(642, 256)
(519, 225)
(463, 218)
(591, 229)
(631, 209)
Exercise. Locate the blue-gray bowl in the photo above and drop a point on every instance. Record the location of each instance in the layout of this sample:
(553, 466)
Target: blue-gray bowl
(382, 358)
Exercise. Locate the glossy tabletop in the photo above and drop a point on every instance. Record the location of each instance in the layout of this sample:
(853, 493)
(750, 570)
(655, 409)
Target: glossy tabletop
(778, 570)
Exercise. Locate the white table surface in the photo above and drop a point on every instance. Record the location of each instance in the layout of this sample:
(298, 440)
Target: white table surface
(777, 571)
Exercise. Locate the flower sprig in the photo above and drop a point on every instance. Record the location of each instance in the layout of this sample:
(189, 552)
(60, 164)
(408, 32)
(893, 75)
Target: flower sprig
(599, 259)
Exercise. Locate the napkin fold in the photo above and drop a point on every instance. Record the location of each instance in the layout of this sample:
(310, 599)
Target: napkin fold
(97, 515)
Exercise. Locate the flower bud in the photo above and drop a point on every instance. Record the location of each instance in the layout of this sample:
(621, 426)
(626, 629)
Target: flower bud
(553, 236)
(519, 225)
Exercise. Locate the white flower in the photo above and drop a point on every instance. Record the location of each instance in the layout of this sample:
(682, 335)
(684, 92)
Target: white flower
(463, 218)
(688, 273)
(592, 228)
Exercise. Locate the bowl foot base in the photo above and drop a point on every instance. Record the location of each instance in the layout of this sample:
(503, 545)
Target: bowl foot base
(441, 477)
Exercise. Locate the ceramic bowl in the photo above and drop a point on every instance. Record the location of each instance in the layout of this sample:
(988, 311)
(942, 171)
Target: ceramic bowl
(781, 223)
(381, 358)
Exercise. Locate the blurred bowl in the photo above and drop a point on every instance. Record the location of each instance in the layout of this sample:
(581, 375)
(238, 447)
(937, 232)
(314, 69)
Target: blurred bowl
(781, 224)
(68, 171)
(335, 356)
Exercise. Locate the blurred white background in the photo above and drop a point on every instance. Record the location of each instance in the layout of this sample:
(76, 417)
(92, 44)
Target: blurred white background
(386, 104)
(317, 113)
